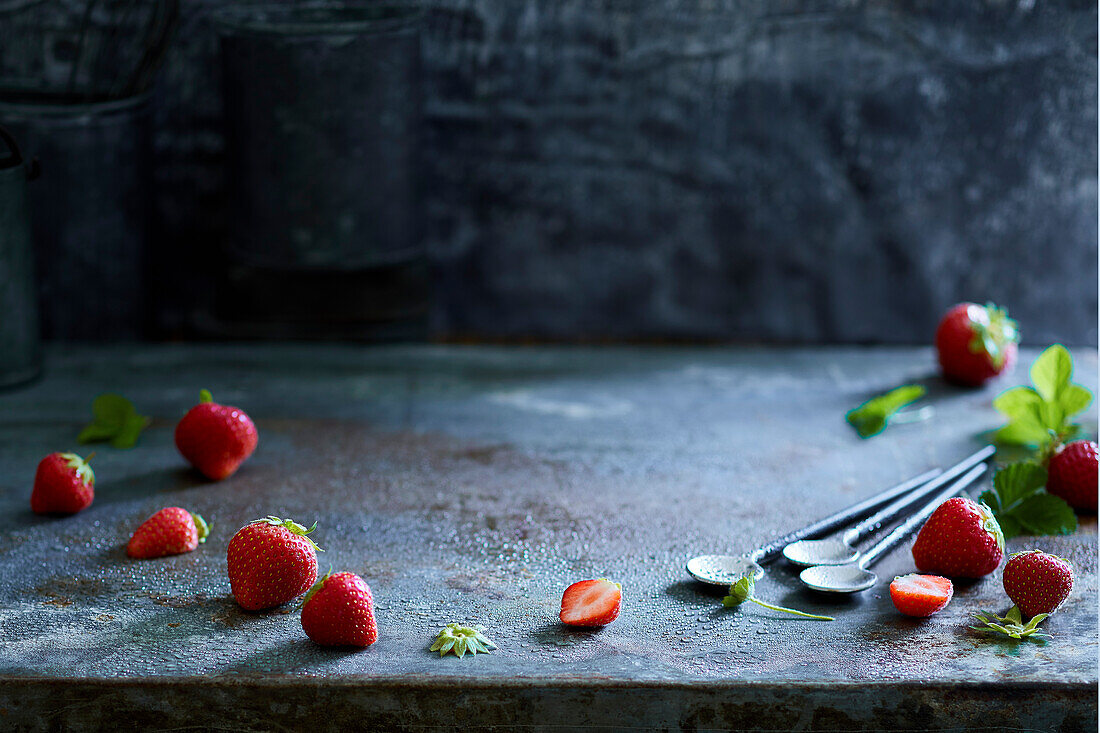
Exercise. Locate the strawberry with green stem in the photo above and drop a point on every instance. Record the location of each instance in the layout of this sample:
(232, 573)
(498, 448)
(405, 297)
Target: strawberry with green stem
(961, 539)
(216, 439)
(742, 591)
(339, 611)
(1038, 583)
(271, 561)
(63, 484)
(171, 531)
(975, 343)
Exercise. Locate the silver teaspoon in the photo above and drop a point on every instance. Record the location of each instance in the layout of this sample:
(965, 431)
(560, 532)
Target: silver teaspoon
(855, 577)
(840, 550)
(728, 569)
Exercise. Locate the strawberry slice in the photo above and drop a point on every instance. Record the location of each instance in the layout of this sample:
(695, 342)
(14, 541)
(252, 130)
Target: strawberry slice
(591, 603)
(920, 595)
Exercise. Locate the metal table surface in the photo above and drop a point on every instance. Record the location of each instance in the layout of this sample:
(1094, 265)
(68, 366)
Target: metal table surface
(473, 484)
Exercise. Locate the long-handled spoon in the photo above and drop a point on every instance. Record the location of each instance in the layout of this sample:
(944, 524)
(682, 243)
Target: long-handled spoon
(840, 550)
(728, 569)
(854, 577)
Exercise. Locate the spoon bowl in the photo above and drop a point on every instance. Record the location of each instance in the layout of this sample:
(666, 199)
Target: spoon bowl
(724, 569)
(838, 578)
(829, 551)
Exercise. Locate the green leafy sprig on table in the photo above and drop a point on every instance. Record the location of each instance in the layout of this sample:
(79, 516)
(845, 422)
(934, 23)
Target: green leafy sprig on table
(1012, 624)
(872, 416)
(115, 419)
(1040, 416)
(1021, 506)
(742, 591)
(459, 639)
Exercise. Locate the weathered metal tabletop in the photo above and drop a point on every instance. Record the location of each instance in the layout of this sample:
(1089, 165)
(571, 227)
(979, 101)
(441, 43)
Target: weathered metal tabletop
(474, 484)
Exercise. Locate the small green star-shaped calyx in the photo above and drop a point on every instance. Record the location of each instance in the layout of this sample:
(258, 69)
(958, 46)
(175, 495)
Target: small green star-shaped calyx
(459, 639)
(1012, 624)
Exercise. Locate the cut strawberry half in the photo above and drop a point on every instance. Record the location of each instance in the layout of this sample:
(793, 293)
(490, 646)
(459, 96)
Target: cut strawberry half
(591, 603)
(920, 595)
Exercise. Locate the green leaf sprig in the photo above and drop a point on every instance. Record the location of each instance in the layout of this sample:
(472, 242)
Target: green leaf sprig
(114, 418)
(872, 416)
(1012, 624)
(1040, 416)
(742, 591)
(1021, 506)
(459, 639)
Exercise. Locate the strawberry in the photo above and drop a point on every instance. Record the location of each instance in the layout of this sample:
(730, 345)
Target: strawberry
(63, 484)
(1037, 582)
(216, 439)
(975, 343)
(171, 531)
(591, 603)
(960, 540)
(1072, 474)
(920, 595)
(339, 611)
(271, 561)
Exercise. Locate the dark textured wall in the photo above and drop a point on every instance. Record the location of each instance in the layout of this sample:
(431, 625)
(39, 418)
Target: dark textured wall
(806, 171)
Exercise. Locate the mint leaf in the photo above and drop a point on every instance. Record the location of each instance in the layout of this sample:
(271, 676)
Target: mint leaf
(1020, 504)
(1074, 399)
(871, 417)
(115, 419)
(1040, 417)
(1016, 482)
(1010, 527)
(1043, 513)
(1051, 372)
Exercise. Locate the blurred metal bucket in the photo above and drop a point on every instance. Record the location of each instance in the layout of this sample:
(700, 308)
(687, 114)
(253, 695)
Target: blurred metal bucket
(89, 213)
(322, 122)
(20, 344)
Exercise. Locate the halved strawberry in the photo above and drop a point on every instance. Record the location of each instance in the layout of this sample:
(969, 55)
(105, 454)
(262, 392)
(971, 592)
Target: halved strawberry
(920, 595)
(591, 603)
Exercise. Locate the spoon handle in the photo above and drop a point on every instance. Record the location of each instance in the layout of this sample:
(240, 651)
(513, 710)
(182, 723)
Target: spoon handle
(912, 523)
(832, 523)
(874, 523)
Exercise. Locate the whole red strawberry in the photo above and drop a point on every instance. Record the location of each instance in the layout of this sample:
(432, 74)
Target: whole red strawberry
(975, 343)
(960, 540)
(1037, 582)
(170, 531)
(271, 561)
(339, 611)
(63, 484)
(1072, 474)
(216, 439)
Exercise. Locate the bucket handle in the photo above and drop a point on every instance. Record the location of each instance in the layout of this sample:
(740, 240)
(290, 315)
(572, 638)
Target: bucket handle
(33, 168)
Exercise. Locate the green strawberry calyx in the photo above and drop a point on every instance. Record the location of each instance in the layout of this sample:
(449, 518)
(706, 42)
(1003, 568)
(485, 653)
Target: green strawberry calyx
(990, 525)
(742, 591)
(1012, 624)
(459, 639)
(205, 396)
(80, 467)
(313, 590)
(993, 332)
(291, 526)
(202, 526)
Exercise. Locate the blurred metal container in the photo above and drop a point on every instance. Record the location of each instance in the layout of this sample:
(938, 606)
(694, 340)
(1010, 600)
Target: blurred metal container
(322, 110)
(89, 213)
(20, 344)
